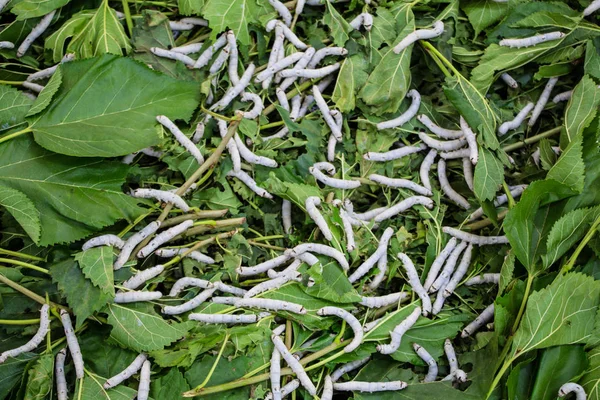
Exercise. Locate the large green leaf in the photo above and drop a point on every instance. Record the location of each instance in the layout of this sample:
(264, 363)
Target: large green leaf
(581, 110)
(483, 13)
(337, 25)
(97, 265)
(11, 372)
(13, 107)
(39, 382)
(138, 327)
(74, 196)
(353, 75)
(557, 365)
(237, 15)
(331, 284)
(73, 26)
(489, 175)
(107, 106)
(23, 210)
(591, 379)
(570, 169)
(562, 313)
(26, 9)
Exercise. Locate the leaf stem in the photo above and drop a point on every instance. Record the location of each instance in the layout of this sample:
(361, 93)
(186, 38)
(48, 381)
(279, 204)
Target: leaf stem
(128, 19)
(266, 246)
(23, 290)
(437, 61)
(14, 135)
(530, 278)
(428, 46)
(533, 139)
(298, 89)
(21, 255)
(588, 236)
(197, 215)
(201, 243)
(272, 237)
(32, 321)
(25, 265)
(214, 366)
(271, 125)
(509, 197)
(11, 82)
(499, 376)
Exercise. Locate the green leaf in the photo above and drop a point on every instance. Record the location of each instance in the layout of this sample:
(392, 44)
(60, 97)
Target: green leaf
(45, 97)
(170, 386)
(100, 356)
(216, 199)
(82, 296)
(331, 284)
(237, 15)
(489, 175)
(562, 313)
(353, 75)
(190, 7)
(297, 193)
(92, 115)
(592, 60)
(11, 372)
(581, 110)
(383, 30)
(337, 25)
(591, 379)
(138, 327)
(75, 197)
(570, 169)
(547, 155)
(506, 273)
(97, 265)
(483, 13)
(26, 9)
(557, 365)
(57, 41)
(39, 382)
(23, 210)
(92, 390)
(547, 19)
(13, 107)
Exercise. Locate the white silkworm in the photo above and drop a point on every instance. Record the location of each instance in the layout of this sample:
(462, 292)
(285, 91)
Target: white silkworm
(220, 60)
(128, 372)
(276, 282)
(447, 189)
(357, 22)
(327, 393)
(450, 155)
(324, 52)
(35, 341)
(35, 33)
(6, 45)
(144, 386)
(500, 200)
(135, 296)
(369, 215)
(294, 364)
(331, 143)
(235, 90)
(194, 255)
(348, 367)
(447, 145)
(236, 291)
(300, 65)
(173, 55)
(276, 50)
(486, 316)
(296, 104)
(348, 231)
(400, 183)
(394, 154)
(333, 182)
(366, 21)
(442, 280)
(415, 283)
(485, 278)
(291, 36)
(232, 68)
(286, 389)
(208, 53)
(468, 172)
(420, 34)
(517, 121)
(33, 86)
(264, 266)
(182, 283)
(286, 216)
(251, 183)
(509, 80)
(163, 196)
(278, 135)
(471, 140)
(234, 153)
(325, 166)
(369, 326)
(593, 7)
(164, 237)
(320, 249)
(383, 301)
(224, 318)
(72, 343)
(194, 21)
(475, 239)
(425, 168)
(439, 300)
(438, 130)
(322, 104)
(455, 372)
(352, 322)
(571, 387)
(412, 110)
(368, 264)
(461, 270)
(133, 241)
(282, 99)
(382, 267)
(48, 72)
(141, 277)
(191, 304)
(230, 301)
(104, 240)
(309, 98)
(541, 103)
(128, 159)
(249, 156)
(313, 212)
(282, 10)
(310, 73)
(59, 371)
(188, 48)
(278, 66)
(181, 138)
(429, 360)
(275, 374)
(269, 304)
(532, 40)
(438, 262)
(180, 26)
(403, 206)
(564, 96)
(370, 387)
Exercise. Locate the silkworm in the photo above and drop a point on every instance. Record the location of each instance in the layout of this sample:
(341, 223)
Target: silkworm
(438, 262)
(220, 60)
(249, 156)
(173, 55)
(286, 216)
(333, 182)
(425, 168)
(471, 140)
(485, 278)
(282, 99)
(451, 155)
(327, 393)
(207, 54)
(309, 98)
(455, 372)
(282, 10)
(256, 109)
(286, 389)
(331, 143)
(294, 364)
(438, 130)
(368, 264)
(48, 72)
(400, 183)
(532, 40)
(324, 52)
(447, 145)
(447, 189)
(224, 318)
(35, 33)
(6, 45)
(133, 241)
(571, 387)
(300, 65)
(412, 110)
(188, 48)
(128, 372)
(541, 103)
(275, 374)
(439, 299)
(141, 277)
(382, 267)
(144, 386)
(403, 206)
(352, 322)
(135, 296)
(269, 304)
(420, 34)
(72, 343)
(313, 212)
(194, 21)
(415, 283)
(383, 301)
(432, 372)
(234, 153)
(442, 280)
(296, 104)
(278, 66)
(163, 196)
(182, 283)
(310, 73)
(191, 304)
(322, 104)
(486, 316)
(275, 283)
(222, 287)
(370, 387)
(235, 90)
(517, 121)
(509, 80)
(468, 172)
(348, 367)
(369, 326)
(348, 231)
(475, 239)
(181, 138)
(104, 240)
(291, 36)
(307, 258)
(33, 86)
(394, 154)
(461, 270)
(276, 50)
(164, 237)
(369, 215)
(515, 192)
(180, 26)
(251, 183)
(59, 371)
(35, 341)
(264, 266)
(320, 249)
(194, 255)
